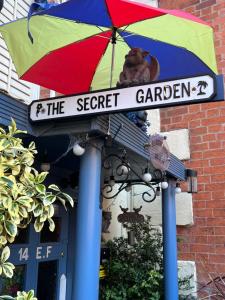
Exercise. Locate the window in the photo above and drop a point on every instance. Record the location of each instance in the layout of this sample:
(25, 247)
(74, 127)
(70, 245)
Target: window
(9, 82)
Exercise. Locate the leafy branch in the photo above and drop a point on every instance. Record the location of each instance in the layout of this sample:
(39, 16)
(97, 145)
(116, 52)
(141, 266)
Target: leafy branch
(23, 196)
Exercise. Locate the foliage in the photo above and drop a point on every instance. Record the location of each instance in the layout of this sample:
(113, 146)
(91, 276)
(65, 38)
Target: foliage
(23, 196)
(135, 272)
(20, 296)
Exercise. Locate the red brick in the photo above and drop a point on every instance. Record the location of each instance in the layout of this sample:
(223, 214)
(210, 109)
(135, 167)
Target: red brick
(217, 161)
(215, 258)
(203, 212)
(196, 155)
(214, 153)
(219, 212)
(217, 239)
(216, 128)
(195, 139)
(213, 113)
(199, 204)
(194, 123)
(218, 195)
(219, 221)
(219, 268)
(203, 196)
(218, 178)
(211, 121)
(215, 145)
(199, 130)
(194, 108)
(204, 179)
(202, 248)
(186, 256)
(209, 137)
(215, 204)
(220, 249)
(220, 231)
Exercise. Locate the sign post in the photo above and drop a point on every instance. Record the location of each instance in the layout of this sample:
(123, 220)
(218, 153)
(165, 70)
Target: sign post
(153, 95)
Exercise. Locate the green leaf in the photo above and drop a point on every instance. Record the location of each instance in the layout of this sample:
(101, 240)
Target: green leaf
(7, 202)
(13, 126)
(51, 211)
(23, 212)
(32, 146)
(43, 217)
(41, 188)
(9, 182)
(6, 297)
(14, 210)
(41, 177)
(16, 170)
(38, 210)
(5, 254)
(10, 228)
(49, 199)
(25, 201)
(38, 225)
(7, 269)
(63, 201)
(3, 240)
(30, 295)
(54, 187)
(51, 224)
(68, 198)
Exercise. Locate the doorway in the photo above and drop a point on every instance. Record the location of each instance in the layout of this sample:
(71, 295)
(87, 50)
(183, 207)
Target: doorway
(40, 261)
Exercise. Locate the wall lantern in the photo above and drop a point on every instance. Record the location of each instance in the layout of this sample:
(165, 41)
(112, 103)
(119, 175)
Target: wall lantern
(192, 181)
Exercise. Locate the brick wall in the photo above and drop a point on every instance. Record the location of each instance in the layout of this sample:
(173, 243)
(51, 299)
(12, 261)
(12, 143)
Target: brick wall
(204, 242)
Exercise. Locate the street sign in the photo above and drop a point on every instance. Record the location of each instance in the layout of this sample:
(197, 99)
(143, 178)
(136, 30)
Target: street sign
(153, 95)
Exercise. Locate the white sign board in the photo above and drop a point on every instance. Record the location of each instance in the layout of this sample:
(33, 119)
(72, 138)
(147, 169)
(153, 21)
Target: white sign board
(153, 95)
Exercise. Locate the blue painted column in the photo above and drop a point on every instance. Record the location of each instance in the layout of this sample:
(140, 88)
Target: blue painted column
(88, 227)
(170, 242)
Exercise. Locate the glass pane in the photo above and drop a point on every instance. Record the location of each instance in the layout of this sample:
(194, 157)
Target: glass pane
(22, 236)
(47, 280)
(51, 237)
(10, 286)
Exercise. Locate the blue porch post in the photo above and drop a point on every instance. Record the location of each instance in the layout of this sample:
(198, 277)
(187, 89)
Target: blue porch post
(88, 227)
(170, 242)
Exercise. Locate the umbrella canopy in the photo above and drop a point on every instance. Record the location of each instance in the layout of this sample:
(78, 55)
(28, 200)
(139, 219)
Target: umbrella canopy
(74, 41)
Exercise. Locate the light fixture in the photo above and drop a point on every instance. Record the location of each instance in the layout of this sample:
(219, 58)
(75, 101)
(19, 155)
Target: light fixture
(158, 192)
(128, 188)
(112, 181)
(124, 169)
(78, 150)
(147, 177)
(192, 181)
(164, 184)
(132, 178)
(45, 166)
(177, 189)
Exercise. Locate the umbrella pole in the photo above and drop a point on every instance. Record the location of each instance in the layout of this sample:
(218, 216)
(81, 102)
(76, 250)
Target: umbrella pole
(113, 40)
(112, 64)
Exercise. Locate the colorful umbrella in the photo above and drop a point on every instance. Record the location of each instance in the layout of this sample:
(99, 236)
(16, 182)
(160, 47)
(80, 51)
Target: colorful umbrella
(81, 44)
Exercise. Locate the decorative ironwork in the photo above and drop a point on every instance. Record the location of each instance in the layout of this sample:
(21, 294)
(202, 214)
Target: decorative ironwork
(130, 216)
(123, 174)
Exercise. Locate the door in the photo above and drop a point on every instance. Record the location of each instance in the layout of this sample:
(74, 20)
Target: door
(40, 260)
